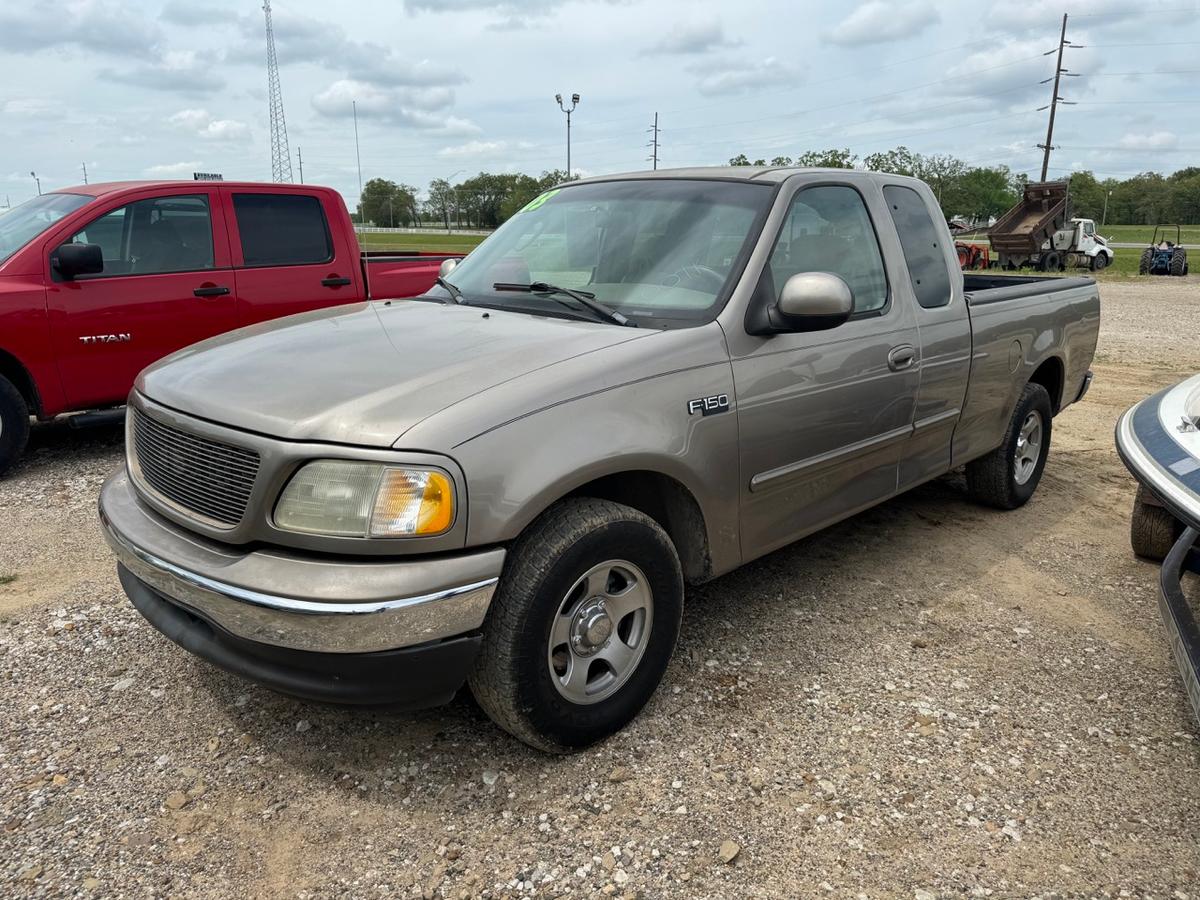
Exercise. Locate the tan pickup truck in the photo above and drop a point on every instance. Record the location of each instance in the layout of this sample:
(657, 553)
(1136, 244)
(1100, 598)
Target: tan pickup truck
(637, 383)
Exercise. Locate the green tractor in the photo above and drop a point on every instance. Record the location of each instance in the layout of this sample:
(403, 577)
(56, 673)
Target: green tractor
(1164, 257)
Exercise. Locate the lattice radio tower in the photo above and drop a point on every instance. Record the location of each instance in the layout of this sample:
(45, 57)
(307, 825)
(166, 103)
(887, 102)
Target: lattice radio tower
(281, 156)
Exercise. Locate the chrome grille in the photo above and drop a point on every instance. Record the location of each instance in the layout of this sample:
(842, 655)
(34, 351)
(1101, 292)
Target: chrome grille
(203, 477)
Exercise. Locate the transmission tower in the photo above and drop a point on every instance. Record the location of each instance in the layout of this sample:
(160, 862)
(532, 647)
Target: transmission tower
(281, 156)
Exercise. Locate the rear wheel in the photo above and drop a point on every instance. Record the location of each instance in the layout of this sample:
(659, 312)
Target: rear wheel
(1152, 530)
(14, 424)
(1146, 261)
(582, 626)
(1179, 262)
(1007, 477)
(1050, 262)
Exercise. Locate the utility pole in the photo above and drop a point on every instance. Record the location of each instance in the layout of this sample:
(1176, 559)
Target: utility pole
(358, 159)
(300, 160)
(568, 111)
(85, 181)
(1104, 217)
(654, 142)
(1055, 99)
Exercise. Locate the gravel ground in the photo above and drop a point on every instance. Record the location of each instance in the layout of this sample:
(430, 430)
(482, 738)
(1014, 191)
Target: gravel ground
(929, 700)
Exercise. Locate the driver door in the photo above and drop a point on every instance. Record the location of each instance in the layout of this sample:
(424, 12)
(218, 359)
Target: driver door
(166, 283)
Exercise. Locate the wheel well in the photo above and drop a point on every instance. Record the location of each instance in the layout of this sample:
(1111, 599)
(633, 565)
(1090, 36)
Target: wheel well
(1050, 375)
(668, 503)
(11, 368)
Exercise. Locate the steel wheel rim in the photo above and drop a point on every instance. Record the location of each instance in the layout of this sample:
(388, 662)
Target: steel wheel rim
(1029, 447)
(600, 631)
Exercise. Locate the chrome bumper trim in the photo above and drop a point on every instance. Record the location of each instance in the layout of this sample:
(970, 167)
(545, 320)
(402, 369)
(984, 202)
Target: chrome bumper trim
(312, 625)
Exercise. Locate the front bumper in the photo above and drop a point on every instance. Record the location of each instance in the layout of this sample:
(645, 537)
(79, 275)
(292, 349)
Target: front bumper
(345, 630)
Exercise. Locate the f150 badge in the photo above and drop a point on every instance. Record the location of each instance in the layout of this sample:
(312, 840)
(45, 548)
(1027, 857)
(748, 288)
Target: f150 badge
(709, 406)
(122, 337)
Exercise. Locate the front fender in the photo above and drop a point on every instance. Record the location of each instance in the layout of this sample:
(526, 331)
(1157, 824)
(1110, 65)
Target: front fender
(516, 471)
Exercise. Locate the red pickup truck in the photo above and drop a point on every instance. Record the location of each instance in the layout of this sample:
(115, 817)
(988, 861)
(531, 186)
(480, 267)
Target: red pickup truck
(99, 281)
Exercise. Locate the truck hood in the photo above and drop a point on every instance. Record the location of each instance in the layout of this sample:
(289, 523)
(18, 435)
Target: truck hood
(364, 374)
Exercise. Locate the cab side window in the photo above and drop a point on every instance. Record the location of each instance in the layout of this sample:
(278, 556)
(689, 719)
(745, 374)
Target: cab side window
(922, 244)
(152, 237)
(828, 229)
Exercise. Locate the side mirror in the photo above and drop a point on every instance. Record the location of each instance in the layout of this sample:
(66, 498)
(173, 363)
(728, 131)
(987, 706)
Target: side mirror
(71, 260)
(809, 301)
(447, 266)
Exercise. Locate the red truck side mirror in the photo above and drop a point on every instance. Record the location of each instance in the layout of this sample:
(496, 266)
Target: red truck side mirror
(71, 260)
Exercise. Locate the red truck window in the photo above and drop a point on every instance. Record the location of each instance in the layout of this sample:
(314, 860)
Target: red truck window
(282, 229)
(149, 237)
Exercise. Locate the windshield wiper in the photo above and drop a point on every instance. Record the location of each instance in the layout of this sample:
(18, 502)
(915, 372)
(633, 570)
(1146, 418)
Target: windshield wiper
(456, 295)
(586, 298)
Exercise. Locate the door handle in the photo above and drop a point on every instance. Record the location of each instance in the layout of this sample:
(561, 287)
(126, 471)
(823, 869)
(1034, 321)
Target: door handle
(335, 282)
(902, 357)
(213, 290)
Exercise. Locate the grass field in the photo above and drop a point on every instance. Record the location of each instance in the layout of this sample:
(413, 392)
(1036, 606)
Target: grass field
(443, 243)
(1141, 234)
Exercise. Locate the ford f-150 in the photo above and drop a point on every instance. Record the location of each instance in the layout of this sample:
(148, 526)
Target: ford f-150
(638, 382)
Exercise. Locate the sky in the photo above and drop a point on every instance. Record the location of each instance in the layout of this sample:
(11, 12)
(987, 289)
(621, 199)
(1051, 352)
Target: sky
(449, 88)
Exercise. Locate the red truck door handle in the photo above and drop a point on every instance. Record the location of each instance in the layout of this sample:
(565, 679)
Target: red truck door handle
(902, 357)
(211, 290)
(335, 281)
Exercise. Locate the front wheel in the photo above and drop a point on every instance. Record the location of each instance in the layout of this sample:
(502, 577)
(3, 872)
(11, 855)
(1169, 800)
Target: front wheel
(1007, 477)
(1152, 530)
(1099, 261)
(14, 423)
(582, 626)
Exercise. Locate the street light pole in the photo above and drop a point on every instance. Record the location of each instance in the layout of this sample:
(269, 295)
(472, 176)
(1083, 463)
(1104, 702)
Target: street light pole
(568, 111)
(1104, 217)
(33, 175)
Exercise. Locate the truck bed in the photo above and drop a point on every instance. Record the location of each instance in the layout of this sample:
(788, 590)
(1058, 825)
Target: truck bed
(983, 289)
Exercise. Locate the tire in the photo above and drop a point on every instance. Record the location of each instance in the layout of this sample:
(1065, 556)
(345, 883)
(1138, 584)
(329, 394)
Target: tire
(1178, 265)
(1146, 261)
(520, 676)
(1050, 262)
(1152, 530)
(14, 424)
(998, 479)
(1099, 261)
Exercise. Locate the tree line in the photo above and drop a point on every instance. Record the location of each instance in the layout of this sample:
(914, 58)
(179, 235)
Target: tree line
(974, 193)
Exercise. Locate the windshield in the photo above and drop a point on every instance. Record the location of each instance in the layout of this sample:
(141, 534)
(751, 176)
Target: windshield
(659, 251)
(22, 224)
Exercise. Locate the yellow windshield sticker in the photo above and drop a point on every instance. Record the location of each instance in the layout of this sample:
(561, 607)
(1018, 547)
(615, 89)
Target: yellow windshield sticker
(538, 200)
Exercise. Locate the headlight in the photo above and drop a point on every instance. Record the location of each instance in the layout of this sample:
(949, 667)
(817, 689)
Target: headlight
(362, 499)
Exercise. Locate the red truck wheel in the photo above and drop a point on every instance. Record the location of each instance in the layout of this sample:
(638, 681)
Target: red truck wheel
(14, 424)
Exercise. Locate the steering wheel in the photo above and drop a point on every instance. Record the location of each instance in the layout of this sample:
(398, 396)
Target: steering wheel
(701, 276)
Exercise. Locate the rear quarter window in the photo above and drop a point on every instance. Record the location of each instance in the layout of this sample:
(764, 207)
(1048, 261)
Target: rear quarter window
(282, 229)
(922, 243)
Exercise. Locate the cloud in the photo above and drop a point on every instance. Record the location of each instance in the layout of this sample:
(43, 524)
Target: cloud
(877, 21)
(178, 71)
(694, 37)
(168, 170)
(301, 39)
(406, 107)
(201, 124)
(27, 108)
(94, 25)
(736, 77)
(483, 148)
(182, 12)
(1046, 14)
(1158, 140)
